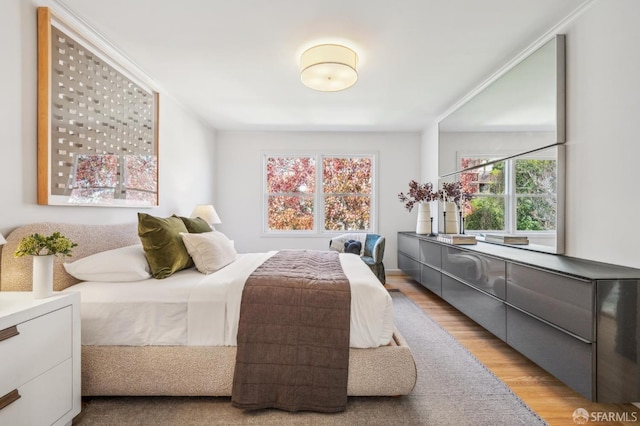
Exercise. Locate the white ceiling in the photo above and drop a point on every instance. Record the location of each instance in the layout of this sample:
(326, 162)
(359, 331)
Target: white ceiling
(235, 63)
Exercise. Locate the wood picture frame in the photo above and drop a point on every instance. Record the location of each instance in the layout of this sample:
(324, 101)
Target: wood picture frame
(97, 124)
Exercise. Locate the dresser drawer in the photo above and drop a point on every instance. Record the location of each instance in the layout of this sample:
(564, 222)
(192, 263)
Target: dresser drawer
(46, 397)
(562, 300)
(409, 246)
(409, 266)
(43, 343)
(431, 254)
(484, 272)
(486, 310)
(431, 279)
(565, 356)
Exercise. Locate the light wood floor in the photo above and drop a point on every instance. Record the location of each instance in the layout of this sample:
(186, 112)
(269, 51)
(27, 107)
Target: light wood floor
(546, 395)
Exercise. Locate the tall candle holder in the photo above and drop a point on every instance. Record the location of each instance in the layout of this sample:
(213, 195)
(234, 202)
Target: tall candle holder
(444, 220)
(461, 223)
(432, 234)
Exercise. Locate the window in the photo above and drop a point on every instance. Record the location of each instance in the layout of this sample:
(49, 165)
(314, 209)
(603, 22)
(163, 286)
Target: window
(290, 193)
(515, 195)
(319, 193)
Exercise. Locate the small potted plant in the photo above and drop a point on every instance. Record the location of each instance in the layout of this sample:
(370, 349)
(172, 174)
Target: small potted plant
(421, 194)
(43, 249)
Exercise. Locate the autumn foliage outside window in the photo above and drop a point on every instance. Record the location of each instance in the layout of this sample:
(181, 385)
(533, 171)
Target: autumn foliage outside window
(347, 193)
(343, 203)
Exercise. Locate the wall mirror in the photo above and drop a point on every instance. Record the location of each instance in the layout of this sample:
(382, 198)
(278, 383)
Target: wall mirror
(520, 111)
(514, 126)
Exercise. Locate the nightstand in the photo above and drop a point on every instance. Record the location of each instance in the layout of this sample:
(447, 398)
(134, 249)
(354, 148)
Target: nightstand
(39, 359)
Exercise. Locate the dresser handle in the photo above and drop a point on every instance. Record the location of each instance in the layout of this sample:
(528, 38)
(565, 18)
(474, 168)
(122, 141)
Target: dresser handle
(9, 398)
(9, 332)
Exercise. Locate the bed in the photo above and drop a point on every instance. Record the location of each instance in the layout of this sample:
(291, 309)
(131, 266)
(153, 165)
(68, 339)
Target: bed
(161, 352)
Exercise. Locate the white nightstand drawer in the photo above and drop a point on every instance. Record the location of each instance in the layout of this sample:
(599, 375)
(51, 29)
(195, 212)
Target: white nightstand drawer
(43, 343)
(42, 400)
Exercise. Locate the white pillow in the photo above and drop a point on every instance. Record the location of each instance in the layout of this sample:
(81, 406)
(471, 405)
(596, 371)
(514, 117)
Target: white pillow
(210, 251)
(117, 265)
(337, 244)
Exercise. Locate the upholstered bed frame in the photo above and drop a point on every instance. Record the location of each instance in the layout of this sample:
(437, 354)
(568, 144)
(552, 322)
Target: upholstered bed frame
(180, 370)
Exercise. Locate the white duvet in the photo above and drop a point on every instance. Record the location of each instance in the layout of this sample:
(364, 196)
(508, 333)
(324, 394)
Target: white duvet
(190, 308)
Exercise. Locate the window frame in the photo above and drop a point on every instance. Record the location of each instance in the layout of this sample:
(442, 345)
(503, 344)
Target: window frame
(319, 195)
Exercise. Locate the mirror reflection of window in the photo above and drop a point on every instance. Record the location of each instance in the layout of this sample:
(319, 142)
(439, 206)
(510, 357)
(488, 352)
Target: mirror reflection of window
(536, 195)
(532, 208)
(95, 179)
(102, 178)
(140, 179)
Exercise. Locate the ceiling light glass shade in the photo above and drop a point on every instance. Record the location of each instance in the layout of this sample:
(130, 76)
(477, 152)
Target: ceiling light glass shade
(329, 67)
(206, 212)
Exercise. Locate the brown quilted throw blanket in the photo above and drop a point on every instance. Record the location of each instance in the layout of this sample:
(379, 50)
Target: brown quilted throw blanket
(293, 335)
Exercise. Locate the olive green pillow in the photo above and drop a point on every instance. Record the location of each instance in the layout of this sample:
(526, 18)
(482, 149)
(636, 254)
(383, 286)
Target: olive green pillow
(196, 225)
(163, 245)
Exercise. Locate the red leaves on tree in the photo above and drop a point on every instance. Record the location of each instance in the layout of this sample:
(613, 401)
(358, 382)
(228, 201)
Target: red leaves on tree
(346, 185)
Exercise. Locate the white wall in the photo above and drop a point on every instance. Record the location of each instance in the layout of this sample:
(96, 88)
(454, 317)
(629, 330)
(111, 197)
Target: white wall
(603, 135)
(429, 165)
(239, 182)
(186, 144)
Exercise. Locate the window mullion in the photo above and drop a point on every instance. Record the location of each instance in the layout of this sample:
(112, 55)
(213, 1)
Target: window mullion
(319, 195)
(510, 197)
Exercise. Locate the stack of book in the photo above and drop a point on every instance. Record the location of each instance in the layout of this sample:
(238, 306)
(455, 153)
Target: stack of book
(506, 238)
(457, 239)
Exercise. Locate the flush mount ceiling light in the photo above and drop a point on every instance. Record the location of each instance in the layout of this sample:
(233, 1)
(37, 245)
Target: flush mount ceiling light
(329, 67)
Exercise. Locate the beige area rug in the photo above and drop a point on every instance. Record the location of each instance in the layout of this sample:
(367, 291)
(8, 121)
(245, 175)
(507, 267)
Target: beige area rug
(453, 388)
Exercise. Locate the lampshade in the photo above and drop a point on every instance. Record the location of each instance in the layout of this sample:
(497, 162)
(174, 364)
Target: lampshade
(206, 212)
(329, 67)
(2, 240)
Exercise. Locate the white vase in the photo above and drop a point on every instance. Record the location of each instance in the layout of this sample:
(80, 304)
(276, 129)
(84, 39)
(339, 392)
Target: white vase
(451, 221)
(42, 276)
(423, 225)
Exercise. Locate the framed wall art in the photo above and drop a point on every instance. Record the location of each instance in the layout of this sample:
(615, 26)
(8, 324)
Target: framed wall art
(97, 124)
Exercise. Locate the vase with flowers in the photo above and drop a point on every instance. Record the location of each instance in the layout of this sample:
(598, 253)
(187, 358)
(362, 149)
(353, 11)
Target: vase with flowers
(43, 249)
(454, 200)
(421, 194)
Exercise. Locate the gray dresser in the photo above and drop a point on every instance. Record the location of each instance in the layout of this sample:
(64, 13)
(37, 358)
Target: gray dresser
(577, 319)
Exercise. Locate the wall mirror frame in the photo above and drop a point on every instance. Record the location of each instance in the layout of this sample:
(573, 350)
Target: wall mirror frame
(97, 124)
(519, 114)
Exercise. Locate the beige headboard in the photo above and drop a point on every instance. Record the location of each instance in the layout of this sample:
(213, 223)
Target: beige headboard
(15, 273)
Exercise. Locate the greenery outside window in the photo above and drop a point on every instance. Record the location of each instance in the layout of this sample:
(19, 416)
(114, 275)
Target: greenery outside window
(515, 195)
(536, 198)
